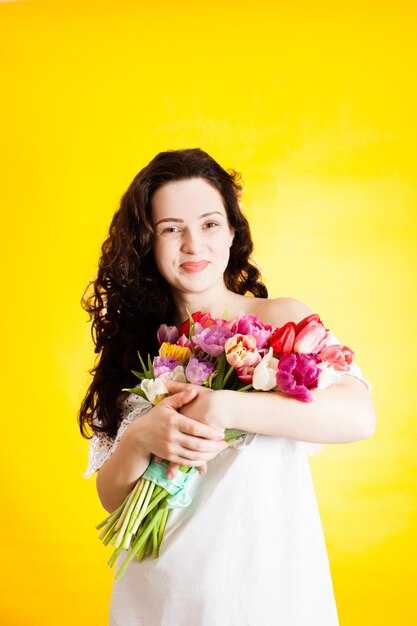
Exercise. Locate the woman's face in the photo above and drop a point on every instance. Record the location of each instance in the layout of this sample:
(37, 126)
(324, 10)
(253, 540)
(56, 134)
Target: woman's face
(192, 235)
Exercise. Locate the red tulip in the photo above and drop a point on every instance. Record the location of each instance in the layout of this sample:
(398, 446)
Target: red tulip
(184, 329)
(282, 340)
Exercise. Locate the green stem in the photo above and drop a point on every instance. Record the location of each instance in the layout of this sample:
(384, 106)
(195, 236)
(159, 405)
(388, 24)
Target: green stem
(156, 501)
(139, 543)
(128, 504)
(141, 514)
(141, 553)
(226, 378)
(162, 528)
(114, 556)
(107, 530)
(139, 506)
(137, 492)
(246, 388)
(112, 516)
(109, 537)
(155, 531)
(126, 540)
(148, 550)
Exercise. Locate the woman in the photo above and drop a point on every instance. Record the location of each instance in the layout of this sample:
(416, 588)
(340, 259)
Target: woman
(250, 548)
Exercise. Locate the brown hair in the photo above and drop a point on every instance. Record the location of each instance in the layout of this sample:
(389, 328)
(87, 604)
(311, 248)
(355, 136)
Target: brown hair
(129, 298)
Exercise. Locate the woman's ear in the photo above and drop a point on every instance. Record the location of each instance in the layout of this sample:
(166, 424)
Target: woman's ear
(232, 236)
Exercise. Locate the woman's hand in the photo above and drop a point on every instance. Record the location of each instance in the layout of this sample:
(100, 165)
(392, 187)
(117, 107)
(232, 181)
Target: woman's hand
(208, 407)
(170, 435)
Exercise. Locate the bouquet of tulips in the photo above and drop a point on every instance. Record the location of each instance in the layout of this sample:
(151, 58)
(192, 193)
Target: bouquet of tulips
(243, 355)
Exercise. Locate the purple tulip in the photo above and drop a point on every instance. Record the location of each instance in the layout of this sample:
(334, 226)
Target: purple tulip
(161, 365)
(167, 333)
(296, 374)
(211, 339)
(198, 370)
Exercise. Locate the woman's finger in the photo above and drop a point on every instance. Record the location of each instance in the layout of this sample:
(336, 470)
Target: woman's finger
(175, 386)
(178, 399)
(189, 461)
(172, 470)
(197, 444)
(190, 426)
(174, 467)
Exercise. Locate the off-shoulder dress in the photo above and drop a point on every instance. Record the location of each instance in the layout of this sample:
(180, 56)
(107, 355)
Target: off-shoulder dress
(248, 551)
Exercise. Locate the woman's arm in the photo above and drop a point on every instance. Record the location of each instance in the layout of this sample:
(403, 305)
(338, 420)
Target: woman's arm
(338, 414)
(120, 472)
(341, 413)
(164, 432)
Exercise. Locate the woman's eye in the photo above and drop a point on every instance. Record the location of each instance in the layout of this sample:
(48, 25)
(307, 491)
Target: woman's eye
(211, 224)
(170, 229)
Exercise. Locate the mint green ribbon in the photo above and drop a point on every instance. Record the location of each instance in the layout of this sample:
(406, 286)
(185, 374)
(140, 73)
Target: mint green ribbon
(177, 486)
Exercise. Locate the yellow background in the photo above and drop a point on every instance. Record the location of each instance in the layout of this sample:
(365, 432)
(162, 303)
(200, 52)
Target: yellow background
(315, 103)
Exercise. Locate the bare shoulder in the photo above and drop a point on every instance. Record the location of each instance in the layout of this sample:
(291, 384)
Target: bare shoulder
(279, 311)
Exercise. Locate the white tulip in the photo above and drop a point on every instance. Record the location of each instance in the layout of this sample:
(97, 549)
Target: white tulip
(264, 374)
(154, 388)
(328, 376)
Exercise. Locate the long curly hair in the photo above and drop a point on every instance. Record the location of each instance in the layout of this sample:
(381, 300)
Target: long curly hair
(129, 299)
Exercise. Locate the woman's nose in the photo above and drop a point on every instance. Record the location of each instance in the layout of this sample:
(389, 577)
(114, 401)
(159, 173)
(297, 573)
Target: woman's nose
(192, 242)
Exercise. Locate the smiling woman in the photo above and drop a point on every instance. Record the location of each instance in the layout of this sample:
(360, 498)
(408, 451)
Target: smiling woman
(180, 241)
(192, 242)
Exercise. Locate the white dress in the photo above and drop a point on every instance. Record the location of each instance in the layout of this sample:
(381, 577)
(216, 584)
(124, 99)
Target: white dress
(248, 551)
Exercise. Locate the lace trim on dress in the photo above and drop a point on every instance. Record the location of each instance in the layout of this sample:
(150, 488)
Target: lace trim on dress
(102, 446)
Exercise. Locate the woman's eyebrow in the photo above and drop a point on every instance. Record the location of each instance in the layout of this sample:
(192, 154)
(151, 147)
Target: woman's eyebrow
(176, 219)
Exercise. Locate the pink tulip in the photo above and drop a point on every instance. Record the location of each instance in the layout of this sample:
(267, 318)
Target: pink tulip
(338, 356)
(306, 320)
(241, 351)
(312, 336)
(185, 342)
(297, 374)
(245, 374)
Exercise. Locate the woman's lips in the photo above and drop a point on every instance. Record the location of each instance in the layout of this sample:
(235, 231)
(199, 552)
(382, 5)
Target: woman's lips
(194, 267)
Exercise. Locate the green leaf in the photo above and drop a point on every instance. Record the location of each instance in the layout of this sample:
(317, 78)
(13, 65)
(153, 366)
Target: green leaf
(138, 374)
(143, 364)
(191, 330)
(150, 365)
(136, 390)
(218, 381)
(230, 434)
